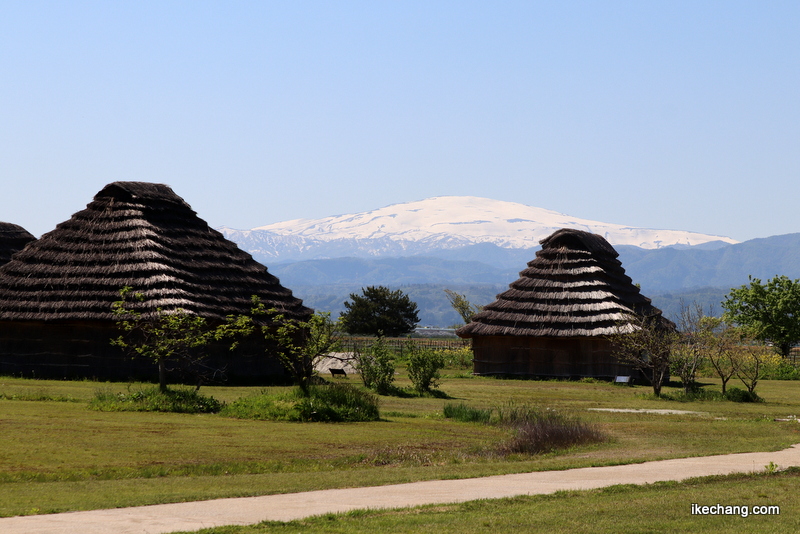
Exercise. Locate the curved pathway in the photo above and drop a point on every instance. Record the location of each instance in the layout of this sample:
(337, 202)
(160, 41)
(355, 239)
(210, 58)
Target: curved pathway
(249, 510)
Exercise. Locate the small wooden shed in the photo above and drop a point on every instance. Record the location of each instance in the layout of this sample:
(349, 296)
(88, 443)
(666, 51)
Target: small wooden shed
(554, 321)
(56, 295)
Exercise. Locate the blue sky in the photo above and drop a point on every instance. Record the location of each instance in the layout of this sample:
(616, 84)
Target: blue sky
(678, 115)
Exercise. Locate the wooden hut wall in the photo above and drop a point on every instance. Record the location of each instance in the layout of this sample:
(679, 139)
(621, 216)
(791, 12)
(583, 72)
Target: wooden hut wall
(68, 350)
(567, 357)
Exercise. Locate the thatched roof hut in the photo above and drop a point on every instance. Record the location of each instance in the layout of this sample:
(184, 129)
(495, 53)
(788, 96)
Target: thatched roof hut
(56, 294)
(556, 318)
(13, 238)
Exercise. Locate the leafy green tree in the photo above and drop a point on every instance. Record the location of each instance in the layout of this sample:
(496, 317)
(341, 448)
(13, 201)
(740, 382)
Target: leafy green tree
(299, 345)
(770, 311)
(465, 309)
(174, 339)
(379, 310)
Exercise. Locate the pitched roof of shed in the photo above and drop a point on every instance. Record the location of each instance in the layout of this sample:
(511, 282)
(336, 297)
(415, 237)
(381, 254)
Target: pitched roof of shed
(141, 235)
(13, 238)
(575, 287)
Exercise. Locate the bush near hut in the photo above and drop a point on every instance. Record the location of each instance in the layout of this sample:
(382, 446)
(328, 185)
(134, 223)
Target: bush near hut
(423, 366)
(376, 366)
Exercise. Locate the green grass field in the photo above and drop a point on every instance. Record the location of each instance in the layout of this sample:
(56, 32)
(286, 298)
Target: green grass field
(656, 508)
(57, 455)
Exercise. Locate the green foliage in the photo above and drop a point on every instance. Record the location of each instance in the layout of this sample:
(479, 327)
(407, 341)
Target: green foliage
(325, 403)
(376, 366)
(771, 311)
(177, 338)
(784, 370)
(741, 395)
(458, 358)
(465, 309)
(379, 311)
(466, 414)
(423, 366)
(183, 400)
(299, 345)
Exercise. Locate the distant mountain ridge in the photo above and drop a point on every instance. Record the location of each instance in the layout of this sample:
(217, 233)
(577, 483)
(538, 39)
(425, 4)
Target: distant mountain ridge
(479, 246)
(429, 226)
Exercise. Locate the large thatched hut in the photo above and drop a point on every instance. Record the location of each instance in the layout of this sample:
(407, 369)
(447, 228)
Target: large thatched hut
(554, 321)
(56, 295)
(13, 238)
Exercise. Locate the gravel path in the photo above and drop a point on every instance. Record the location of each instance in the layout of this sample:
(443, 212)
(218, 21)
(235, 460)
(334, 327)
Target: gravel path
(244, 511)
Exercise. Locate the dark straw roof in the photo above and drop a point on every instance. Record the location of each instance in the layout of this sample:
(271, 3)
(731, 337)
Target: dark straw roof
(141, 235)
(575, 287)
(13, 238)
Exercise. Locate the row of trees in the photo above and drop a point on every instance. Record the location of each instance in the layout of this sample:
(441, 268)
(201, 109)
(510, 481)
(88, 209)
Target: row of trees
(755, 314)
(758, 329)
(180, 340)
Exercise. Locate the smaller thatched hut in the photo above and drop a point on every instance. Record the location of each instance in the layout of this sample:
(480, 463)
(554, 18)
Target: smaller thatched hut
(13, 238)
(554, 321)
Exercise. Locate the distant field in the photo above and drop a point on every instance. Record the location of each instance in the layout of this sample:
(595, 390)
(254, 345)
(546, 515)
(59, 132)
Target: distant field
(57, 455)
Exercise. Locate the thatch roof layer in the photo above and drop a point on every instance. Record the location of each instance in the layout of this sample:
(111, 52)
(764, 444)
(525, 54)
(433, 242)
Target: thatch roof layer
(141, 235)
(575, 287)
(13, 238)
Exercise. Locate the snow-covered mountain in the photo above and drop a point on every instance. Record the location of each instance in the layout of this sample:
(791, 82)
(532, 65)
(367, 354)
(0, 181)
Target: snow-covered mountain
(436, 224)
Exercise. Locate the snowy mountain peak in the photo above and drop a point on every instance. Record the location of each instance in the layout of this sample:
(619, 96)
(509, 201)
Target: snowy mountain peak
(453, 221)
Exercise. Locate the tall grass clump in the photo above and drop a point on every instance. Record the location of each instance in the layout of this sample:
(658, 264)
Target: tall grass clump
(538, 430)
(466, 414)
(182, 400)
(323, 403)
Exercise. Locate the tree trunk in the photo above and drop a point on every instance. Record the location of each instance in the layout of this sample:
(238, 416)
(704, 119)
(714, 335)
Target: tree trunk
(162, 376)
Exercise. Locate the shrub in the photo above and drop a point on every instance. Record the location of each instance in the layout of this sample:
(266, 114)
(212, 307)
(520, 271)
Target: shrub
(694, 395)
(339, 403)
(458, 358)
(423, 368)
(783, 370)
(376, 366)
(467, 414)
(535, 430)
(183, 400)
(539, 430)
(741, 395)
(324, 403)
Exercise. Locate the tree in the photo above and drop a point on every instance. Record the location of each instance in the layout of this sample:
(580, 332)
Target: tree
(646, 343)
(770, 312)
(690, 352)
(378, 310)
(465, 309)
(171, 339)
(299, 345)
(720, 342)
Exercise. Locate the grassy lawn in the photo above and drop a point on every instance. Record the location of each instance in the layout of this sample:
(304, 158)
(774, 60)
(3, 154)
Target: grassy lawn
(56, 455)
(659, 507)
